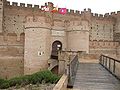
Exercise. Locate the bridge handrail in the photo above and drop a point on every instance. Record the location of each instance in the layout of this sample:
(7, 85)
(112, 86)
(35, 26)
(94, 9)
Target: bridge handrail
(73, 64)
(107, 63)
(70, 60)
(111, 58)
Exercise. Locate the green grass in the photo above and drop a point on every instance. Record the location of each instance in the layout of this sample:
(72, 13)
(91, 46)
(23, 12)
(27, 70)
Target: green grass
(39, 77)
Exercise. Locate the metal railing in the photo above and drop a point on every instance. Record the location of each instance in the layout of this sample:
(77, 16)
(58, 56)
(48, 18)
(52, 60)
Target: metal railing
(111, 64)
(72, 69)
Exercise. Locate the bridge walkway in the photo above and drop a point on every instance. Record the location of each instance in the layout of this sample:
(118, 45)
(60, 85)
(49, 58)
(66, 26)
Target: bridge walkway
(92, 76)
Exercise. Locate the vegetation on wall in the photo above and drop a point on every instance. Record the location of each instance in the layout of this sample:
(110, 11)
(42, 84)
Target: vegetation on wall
(39, 77)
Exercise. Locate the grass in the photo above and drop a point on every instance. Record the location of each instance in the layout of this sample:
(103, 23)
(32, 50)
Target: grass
(39, 77)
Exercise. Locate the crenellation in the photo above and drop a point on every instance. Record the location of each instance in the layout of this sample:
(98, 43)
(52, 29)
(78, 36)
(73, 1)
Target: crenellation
(96, 15)
(71, 11)
(113, 13)
(14, 4)
(92, 14)
(82, 12)
(67, 11)
(22, 4)
(85, 10)
(50, 4)
(106, 15)
(118, 12)
(7, 3)
(100, 16)
(77, 12)
(89, 10)
(29, 5)
(36, 6)
(46, 4)
(42, 6)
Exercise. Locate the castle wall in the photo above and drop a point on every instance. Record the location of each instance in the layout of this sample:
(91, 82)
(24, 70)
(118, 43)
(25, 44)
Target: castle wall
(117, 27)
(101, 29)
(13, 23)
(14, 18)
(11, 55)
(103, 47)
(12, 43)
(77, 32)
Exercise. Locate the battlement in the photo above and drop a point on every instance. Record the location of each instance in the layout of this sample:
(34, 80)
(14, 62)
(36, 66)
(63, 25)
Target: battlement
(118, 12)
(70, 12)
(14, 3)
(87, 10)
(22, 5)
(7, 3)
(115, 13)
(76, 12)
(106, 15)
(49, 4)
(99, 16)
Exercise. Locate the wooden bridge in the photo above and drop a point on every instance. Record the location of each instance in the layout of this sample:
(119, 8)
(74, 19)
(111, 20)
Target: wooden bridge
(104, 75)
(98, 76)
(92, 76)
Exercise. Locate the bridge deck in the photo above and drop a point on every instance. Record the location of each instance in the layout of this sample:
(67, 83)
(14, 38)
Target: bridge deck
(92, 76)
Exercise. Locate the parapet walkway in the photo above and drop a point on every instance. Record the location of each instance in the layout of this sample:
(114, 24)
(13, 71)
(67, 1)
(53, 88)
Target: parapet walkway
(92, 76)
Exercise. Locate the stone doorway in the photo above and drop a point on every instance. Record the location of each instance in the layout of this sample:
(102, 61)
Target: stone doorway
(56, 46)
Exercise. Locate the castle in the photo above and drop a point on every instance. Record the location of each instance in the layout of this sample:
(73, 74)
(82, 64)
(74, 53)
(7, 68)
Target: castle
(29, 36)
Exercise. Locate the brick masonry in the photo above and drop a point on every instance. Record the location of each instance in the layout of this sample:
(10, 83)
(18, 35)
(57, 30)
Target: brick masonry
(27, 34)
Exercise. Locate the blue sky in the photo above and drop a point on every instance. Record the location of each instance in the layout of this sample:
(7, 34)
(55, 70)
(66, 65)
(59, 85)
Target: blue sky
(97, 6)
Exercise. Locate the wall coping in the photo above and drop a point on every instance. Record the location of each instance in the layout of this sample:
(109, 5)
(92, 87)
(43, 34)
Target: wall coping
(62, 83)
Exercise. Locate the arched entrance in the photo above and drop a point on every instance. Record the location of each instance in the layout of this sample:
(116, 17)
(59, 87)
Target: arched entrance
(56, 46)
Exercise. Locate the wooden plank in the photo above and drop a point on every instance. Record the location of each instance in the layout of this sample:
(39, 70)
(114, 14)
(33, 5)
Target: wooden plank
(92, 76)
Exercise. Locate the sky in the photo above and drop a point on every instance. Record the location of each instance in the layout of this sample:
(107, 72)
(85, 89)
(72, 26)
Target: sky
(97, 6)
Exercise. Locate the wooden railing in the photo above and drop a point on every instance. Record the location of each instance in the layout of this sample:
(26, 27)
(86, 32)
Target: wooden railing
(72, 67)
(111, 64)
(68, 63)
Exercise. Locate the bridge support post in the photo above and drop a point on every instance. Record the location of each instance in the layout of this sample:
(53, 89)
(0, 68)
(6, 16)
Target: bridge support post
(61, 67)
